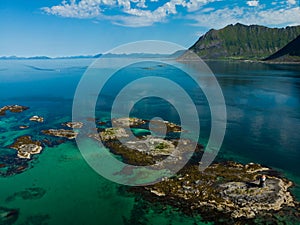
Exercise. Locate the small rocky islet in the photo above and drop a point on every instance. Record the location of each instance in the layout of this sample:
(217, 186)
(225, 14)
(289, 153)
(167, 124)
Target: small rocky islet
(13, 109)
(26, 147)
(226, 192)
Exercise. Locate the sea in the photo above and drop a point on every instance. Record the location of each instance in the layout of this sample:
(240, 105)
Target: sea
(59, 187)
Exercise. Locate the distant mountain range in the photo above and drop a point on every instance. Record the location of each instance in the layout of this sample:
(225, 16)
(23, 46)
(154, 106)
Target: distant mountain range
(252, 42)
(109, 55)
(46, 57)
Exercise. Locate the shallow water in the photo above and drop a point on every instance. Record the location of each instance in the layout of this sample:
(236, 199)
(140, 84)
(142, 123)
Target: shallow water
(263, 107)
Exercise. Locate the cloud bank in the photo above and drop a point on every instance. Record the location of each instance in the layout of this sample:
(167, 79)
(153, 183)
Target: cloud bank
(141, 13)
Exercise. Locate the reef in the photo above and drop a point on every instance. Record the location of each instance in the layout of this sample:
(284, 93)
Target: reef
(12, 108)
(26, 147)
(69, 134)
(228, 191)
(27, 194)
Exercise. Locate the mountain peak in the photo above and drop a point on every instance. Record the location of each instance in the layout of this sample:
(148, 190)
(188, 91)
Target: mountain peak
(241, 41)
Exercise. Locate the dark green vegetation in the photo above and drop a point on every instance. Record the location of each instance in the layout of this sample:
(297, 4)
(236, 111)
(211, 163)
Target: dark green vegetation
(244, 42)
(290, 52)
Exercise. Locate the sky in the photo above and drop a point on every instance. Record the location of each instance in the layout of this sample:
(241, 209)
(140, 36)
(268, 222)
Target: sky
(87, 27)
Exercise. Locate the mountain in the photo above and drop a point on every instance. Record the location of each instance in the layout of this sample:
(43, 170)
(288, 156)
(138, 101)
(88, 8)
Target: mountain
(17, 57)
(134, 55)
(108, 55)
(289, 53)
(44, 57)
(243, 42)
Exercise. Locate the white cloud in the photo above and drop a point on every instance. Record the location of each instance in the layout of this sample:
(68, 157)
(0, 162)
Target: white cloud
(194, 5)
(253, 3)
(217, 19)
(137, 13)
(268, 17)
(292, 2)
(84, 9)
(132, 12)
(208, 10)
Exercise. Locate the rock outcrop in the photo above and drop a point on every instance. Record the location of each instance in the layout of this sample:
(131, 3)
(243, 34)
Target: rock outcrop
(69, 134)
(38, 119)
(26, 147)
(74, 125)
(228, 188)
(12, 108)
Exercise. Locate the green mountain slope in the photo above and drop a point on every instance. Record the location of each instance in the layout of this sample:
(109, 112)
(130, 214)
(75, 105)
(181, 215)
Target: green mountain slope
(244, 42)
(289, 53)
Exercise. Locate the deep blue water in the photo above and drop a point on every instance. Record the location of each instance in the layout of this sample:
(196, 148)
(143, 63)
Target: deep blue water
(262, 100)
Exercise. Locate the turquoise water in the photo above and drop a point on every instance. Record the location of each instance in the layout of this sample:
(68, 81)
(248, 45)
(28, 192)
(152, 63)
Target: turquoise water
(263, 107)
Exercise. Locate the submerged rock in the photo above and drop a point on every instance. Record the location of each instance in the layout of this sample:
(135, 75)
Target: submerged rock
(37, 219)
(27, 194)
(12, 108)
(70, 134)
(8, 216)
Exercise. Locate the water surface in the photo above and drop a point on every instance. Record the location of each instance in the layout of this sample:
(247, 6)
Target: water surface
(263, 107)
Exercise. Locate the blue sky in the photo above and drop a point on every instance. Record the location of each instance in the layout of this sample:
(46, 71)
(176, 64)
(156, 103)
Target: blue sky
(75, 27)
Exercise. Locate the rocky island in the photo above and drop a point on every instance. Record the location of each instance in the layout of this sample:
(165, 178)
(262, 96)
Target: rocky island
(26, 147)
(38, 119)
(12, 108)
(227, 190)
(74, 125)
(69, 134)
